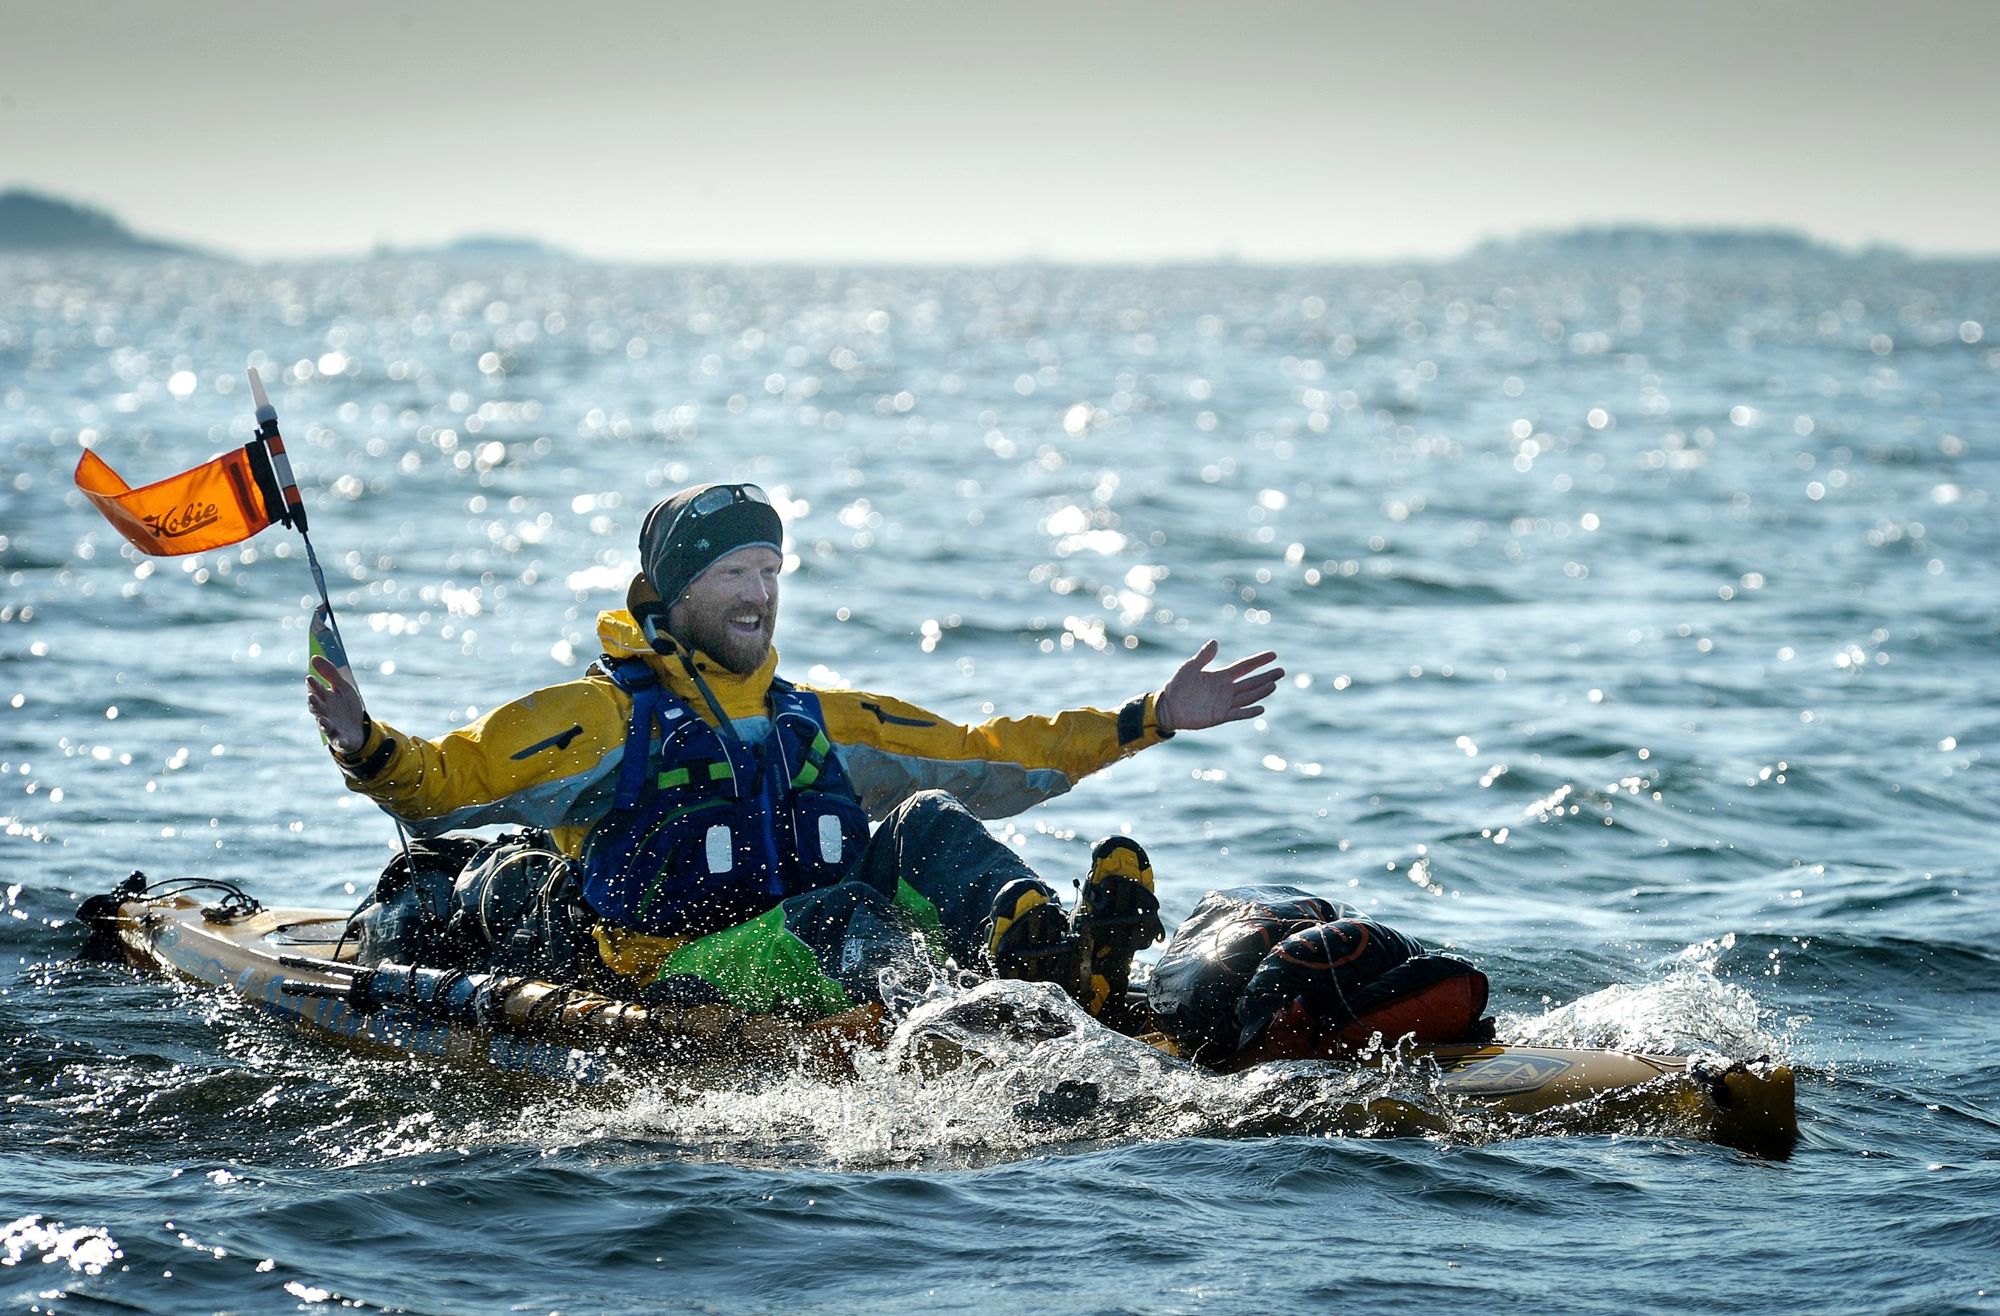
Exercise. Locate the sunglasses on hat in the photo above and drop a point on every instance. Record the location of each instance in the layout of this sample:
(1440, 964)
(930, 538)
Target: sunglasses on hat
(713, 500)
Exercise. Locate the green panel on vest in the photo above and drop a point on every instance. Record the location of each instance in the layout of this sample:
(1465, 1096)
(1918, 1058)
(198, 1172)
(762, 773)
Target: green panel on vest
(760, 967)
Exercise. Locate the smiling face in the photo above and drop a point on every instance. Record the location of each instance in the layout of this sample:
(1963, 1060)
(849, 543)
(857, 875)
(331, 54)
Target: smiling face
(730, 612)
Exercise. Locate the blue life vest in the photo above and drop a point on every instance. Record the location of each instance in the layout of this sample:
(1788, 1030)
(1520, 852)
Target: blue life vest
(709, 830)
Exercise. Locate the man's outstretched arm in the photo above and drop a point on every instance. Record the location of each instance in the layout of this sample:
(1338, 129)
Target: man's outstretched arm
(1004, 765)
(529, 761)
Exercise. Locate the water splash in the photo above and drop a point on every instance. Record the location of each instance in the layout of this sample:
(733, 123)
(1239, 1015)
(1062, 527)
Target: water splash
(1688, 1010)
(1007, 1070)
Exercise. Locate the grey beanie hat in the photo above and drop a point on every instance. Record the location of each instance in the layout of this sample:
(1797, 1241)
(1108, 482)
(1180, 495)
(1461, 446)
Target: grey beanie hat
(686, 534)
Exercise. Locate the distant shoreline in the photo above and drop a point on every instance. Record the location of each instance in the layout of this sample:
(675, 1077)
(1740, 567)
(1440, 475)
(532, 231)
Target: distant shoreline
(36, 223)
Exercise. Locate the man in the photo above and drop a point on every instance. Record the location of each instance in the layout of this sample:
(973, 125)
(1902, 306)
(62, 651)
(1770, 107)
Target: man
(717, 815)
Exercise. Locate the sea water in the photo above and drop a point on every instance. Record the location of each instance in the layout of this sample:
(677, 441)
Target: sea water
(1639, 614)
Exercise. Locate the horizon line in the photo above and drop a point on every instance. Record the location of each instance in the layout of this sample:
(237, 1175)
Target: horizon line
(1220, 257)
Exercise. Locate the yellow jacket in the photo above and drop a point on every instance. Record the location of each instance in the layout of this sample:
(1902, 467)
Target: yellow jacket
(551, 759)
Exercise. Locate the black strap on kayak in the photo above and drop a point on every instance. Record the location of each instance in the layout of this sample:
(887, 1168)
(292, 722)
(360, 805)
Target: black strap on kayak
(100, 913)
(235, 903)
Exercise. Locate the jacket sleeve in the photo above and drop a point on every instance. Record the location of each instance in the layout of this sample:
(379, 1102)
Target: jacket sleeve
(547, 760)
(894, 749)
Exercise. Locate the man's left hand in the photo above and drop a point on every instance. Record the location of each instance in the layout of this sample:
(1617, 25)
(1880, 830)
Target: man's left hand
(1196, 698)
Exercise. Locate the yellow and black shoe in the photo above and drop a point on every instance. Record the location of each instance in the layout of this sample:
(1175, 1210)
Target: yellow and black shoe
(1028, 937)
(1117, 916)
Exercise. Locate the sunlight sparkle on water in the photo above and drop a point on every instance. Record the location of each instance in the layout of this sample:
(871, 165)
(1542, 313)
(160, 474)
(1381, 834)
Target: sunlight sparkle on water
(84, 1249)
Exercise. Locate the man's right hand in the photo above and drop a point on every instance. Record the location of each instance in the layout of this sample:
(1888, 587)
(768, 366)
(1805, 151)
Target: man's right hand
(336, 705)
(1195, 698)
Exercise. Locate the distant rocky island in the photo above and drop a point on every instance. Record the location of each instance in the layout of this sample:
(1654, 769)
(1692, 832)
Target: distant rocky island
(1657, 242)
(37, 222)
(492, 246)
(33, 221)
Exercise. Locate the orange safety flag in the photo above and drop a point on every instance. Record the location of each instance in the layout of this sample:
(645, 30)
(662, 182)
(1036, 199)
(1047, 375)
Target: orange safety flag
(212, 506)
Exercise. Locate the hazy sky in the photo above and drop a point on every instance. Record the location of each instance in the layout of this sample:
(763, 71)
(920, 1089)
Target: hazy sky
(1142, 130)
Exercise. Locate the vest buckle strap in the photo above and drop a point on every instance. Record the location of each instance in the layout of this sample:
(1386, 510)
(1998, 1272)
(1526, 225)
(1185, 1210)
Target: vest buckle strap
(717, 770)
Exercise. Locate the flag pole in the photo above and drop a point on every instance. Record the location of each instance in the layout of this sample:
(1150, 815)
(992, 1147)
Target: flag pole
(290, 508)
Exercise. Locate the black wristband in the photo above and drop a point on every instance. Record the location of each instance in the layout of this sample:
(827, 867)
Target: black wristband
(376, 761)
(1132, 722)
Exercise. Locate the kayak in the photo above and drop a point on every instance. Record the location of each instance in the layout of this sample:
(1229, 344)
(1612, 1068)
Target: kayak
(296, 965)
